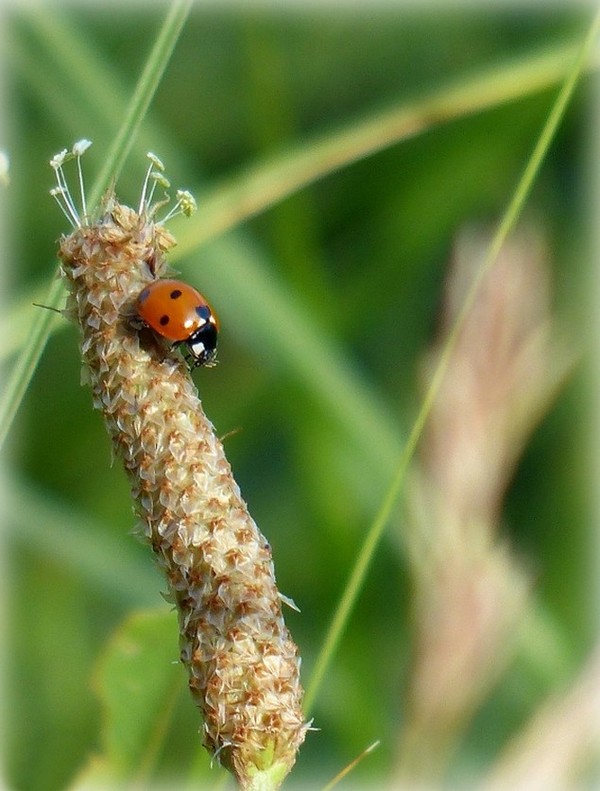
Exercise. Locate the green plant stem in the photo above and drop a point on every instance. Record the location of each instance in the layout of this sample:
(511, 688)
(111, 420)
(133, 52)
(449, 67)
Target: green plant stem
(510, 215)
(142, 96)
(35, 343)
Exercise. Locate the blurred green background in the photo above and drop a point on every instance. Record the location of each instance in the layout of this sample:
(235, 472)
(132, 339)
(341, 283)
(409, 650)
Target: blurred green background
(359, 257)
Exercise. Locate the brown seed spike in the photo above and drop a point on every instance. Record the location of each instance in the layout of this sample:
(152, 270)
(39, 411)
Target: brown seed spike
(243, 666)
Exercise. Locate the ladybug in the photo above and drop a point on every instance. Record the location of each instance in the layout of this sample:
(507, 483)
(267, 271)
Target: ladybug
(179, 313)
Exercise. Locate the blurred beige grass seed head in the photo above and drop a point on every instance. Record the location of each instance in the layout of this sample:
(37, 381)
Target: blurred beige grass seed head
(242, 663)
(471, 592)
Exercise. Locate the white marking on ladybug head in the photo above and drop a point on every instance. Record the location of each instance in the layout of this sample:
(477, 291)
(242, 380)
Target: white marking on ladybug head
(197, 348)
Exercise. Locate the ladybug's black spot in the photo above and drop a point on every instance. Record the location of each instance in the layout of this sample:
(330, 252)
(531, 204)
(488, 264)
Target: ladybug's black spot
(175, 294)
(203, 311)
(163, 321)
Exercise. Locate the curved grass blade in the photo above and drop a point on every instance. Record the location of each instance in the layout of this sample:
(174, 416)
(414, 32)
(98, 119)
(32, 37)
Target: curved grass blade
(265, 183)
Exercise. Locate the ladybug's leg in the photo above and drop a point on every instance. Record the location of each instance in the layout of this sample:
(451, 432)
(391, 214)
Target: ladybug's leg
(186, 353)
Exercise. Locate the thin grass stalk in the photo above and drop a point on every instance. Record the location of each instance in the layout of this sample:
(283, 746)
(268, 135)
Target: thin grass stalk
(20, 376)
(507, 223)
(140, 101)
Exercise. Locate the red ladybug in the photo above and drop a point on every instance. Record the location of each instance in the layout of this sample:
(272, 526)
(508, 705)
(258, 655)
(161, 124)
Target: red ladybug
(179, 313)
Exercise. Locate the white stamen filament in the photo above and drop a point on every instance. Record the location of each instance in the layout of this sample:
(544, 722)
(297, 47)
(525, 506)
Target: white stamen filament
(81, 189)
(57, 193)
(143, 204)
(67, 206)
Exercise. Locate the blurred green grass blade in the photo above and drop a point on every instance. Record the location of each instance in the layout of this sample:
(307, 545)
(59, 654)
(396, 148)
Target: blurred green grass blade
(142, 96)
(35, 342)
(29, 356)
(507, 223)
(80, 545)
(64, 54)
(267, 182)
(68, 111)
(23, 308)
(97, 102)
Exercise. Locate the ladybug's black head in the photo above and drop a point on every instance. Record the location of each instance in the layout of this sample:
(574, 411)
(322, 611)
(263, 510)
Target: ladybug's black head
(203, 344)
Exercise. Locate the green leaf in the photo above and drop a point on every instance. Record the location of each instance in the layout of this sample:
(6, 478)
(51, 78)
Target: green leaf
(138, 681)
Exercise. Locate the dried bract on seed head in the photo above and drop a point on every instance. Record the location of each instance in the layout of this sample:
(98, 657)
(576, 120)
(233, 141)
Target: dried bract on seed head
(243, 666)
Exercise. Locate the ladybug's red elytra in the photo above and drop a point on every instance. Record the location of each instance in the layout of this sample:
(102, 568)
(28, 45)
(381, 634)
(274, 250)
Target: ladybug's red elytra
(179, 313)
